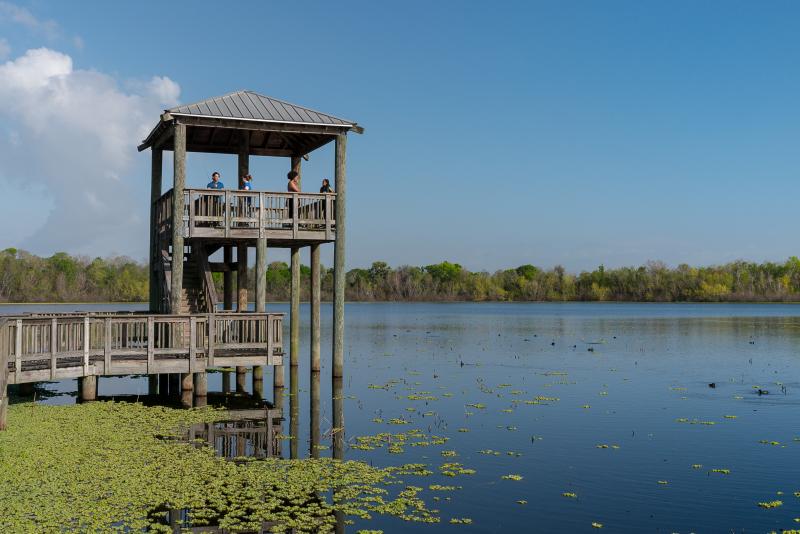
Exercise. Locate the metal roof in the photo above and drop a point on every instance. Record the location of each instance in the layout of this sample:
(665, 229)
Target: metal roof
(247, 105)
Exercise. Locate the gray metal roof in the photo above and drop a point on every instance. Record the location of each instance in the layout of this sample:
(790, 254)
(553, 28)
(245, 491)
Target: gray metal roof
(248, 105)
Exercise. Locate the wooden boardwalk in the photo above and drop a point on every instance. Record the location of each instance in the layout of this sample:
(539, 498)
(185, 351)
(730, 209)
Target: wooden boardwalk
(47, 347)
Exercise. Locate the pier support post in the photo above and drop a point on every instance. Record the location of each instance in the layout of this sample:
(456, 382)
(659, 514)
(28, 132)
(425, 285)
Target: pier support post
(3, 403)
(88, 388)
(201, 384)
(152, 384)
(241, 379)
(187, 389)
(261, 275)
(241, 285)
(316, 289)
(227, 279)
(337, 369)
(258, 381)
(294, 312)
(226, 381)
(338, 259)
(261, 300)
(155, 193)
(179, 183)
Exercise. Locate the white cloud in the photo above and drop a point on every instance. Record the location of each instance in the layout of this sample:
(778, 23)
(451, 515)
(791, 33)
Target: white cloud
(19, 15)
(77, 132)
(5, 48)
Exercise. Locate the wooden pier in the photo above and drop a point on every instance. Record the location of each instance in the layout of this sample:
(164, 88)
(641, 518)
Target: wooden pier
(185, 332)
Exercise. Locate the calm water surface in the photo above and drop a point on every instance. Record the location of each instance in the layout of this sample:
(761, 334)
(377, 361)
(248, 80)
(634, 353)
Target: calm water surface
(649, 369)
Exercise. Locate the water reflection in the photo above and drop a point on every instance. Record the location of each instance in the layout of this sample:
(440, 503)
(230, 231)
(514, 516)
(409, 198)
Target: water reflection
(243, 433)
(294, 411)
(314, 444)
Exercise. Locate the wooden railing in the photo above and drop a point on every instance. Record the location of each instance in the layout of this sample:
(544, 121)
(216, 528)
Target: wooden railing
(252, 214)
(43, 347)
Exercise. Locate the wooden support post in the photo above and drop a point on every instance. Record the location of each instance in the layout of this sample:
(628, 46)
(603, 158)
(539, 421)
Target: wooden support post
(200, 384)
(244, 155)
(151, 344)
(294, 311)
(241, 379)
(187, 381)
(227, 279)
(179, 183)
(88, 388)
(53, 348)
(258, 381)
(3, 401)
(18, 351)
(241, 282)
(107, 346)
(152, 384)
(226, 382)
(261, 275)
(86, 345)
(316, 288)
(241, 278)
(339, 261)
(155, 194)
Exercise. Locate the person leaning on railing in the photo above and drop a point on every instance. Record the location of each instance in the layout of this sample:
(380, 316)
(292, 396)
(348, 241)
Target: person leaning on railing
(216, 204)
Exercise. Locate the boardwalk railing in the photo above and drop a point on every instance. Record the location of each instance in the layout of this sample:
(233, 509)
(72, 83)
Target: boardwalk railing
(41, 347)
(252, 214)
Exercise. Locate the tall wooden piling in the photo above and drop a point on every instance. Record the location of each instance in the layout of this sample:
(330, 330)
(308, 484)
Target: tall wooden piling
(294, 312)
(155, 260)
(88, 388)
(241, 306)
(338, 259)
(227, 278)
(179, 184)
(200, 384)
(316, 291)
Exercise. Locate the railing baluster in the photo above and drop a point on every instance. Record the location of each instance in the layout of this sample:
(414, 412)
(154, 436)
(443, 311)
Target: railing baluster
(53, 348)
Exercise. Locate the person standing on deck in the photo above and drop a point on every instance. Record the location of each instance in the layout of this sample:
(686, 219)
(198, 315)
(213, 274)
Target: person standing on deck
(326, 186)
(215, 183)
(292, 187)
(246, 204)
(216, 204)
(247, 183)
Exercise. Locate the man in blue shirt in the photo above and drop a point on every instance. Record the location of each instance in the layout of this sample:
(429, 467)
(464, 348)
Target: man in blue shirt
(215, 183)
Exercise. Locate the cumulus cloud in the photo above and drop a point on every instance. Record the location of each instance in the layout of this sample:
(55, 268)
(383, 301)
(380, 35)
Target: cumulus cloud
(20, 15)
(76, 133)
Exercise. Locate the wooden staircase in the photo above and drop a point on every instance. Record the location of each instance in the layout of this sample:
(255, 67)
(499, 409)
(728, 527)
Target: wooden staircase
(198, 294)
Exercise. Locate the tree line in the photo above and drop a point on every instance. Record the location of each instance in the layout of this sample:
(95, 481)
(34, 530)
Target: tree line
(25, 277)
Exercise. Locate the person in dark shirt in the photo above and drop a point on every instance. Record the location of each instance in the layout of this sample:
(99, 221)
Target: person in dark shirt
(326, 186)
(215, 183)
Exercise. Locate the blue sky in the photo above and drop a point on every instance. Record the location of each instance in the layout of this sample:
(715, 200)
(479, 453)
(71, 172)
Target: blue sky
(573, 133)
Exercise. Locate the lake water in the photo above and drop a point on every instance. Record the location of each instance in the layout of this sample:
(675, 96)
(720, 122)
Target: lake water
(632, 377)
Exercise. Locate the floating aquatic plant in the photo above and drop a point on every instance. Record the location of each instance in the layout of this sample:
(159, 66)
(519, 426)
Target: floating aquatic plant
(770, 504)
(114, 456)
(512, 477)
